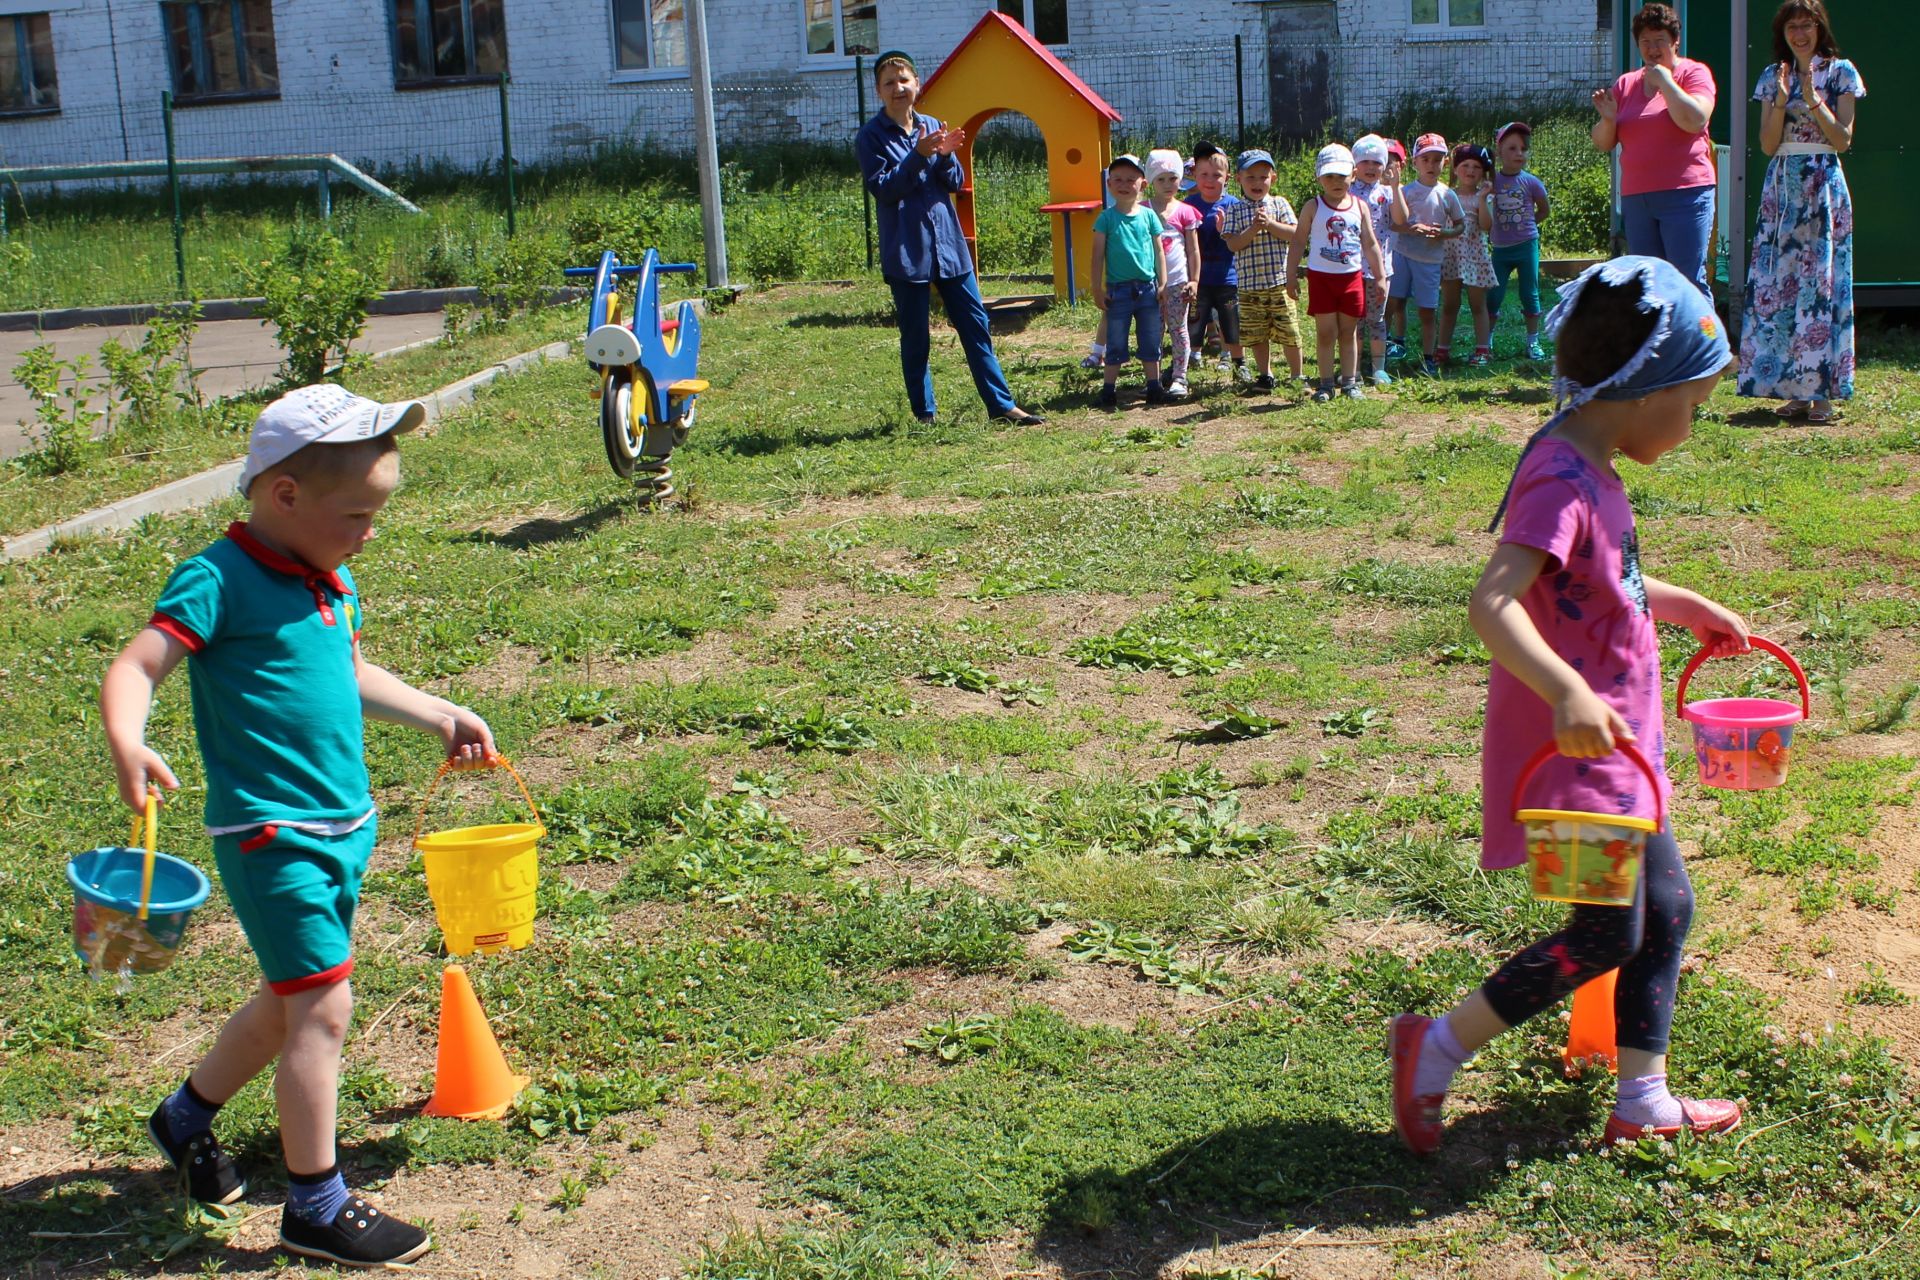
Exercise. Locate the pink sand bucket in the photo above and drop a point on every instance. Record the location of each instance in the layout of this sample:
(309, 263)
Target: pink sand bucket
(1742, 744)
(1588, 858)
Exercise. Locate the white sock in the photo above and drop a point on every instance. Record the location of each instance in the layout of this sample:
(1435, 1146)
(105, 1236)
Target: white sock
(1440, 1056)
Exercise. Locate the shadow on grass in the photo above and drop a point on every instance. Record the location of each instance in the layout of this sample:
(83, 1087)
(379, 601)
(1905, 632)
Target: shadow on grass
(843, 320)
(543, 531)
(763, 441)
(1286, 1177)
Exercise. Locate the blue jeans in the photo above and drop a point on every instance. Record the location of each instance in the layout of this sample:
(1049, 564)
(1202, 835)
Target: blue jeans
(1675, 225)
(968, 315)
(1133, 301)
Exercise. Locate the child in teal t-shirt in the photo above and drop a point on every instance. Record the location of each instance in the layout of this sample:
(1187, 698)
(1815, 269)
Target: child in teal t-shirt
(1129, 275)
(269, 621)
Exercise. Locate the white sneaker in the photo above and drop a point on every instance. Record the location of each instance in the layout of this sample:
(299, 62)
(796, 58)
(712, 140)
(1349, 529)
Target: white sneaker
(1381, 378)
(1177, 389)
(1243, 373)
(1093, 360)
(1352, 391)
(1225, 366)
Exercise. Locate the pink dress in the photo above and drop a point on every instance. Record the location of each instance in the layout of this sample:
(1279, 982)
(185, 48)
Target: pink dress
(1590, 605)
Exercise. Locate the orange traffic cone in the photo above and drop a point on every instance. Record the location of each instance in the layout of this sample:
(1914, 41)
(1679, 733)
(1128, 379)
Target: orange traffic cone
(1590, 1036)
(471, 1080)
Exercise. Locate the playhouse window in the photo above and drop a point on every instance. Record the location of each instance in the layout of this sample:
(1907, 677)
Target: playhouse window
(842, 27)
(221, 49)
(649, 34)
(27, 84)
(1047, 19)
(448, 41)
(1449, 15)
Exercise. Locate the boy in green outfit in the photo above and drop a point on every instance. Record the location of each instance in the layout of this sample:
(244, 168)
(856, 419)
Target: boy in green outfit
(1129, 277)
(269, 622)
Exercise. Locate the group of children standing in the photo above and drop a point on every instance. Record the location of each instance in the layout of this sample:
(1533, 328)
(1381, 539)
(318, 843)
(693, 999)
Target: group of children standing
(1367, 243)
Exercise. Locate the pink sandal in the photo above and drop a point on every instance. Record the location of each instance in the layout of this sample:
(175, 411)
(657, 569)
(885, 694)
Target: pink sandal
(1701, 1115)
(1416, 1117)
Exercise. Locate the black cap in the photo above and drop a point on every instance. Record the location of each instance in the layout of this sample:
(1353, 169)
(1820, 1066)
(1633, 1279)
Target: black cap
(1130, 161)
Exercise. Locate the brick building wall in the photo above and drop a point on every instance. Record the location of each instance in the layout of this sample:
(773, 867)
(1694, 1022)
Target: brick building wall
(1163, 63)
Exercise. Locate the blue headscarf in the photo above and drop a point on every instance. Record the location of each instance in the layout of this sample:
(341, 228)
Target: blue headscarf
(1688, 341)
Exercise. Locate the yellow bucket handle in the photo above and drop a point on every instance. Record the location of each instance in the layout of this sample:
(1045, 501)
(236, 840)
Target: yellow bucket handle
(150, 819)
(448, 766)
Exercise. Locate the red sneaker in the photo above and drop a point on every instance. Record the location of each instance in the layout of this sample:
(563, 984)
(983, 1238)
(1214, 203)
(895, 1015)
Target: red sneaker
(1416, 1117)
(1702, 1115)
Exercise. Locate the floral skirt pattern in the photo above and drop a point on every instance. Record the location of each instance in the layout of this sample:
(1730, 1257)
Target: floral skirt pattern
(1469, 260)
(1796, 330)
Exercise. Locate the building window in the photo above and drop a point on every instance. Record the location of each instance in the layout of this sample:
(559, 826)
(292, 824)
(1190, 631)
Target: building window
(649, 34)
(1047, 19)
(448, 41)
(221, 49)
(1449, 15)
(842, 27)
(1603, 14)
(27, 86)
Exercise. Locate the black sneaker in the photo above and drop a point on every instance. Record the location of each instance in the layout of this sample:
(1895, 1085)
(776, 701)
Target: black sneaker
(1109, 398)
(359, 1236)
(1322, 393)
(1156, 394)
(208, 1174)
(1264, 382)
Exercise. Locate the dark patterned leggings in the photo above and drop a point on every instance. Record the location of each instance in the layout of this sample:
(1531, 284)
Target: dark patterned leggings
(1642, 941)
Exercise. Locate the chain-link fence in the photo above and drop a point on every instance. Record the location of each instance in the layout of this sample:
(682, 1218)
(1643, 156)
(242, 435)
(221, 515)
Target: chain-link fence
(460, 144)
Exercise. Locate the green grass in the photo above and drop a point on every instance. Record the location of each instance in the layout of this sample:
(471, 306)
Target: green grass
(797, 826)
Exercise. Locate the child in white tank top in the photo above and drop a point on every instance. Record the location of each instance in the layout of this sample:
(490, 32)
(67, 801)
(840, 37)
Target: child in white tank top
(1334, 240)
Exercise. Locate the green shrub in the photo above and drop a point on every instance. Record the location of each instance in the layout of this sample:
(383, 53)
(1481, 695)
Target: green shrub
(316, 296)
(517, 275)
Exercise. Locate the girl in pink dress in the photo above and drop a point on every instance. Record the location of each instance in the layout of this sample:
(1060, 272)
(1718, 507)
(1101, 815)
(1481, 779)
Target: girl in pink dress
(1568, 617)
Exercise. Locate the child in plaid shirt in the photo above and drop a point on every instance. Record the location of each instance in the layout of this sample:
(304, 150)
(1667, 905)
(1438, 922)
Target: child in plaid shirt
(1259, 229)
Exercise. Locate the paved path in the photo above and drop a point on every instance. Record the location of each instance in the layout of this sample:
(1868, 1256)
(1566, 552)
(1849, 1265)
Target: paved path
(234, 355)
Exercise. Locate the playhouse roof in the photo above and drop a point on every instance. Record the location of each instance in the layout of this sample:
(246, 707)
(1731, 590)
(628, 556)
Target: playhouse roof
(1040, 51)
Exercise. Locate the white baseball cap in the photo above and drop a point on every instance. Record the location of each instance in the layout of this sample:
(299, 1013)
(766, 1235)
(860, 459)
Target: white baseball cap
(1334, 159)
(1163, 160)
(321, 414)
(1370, 147)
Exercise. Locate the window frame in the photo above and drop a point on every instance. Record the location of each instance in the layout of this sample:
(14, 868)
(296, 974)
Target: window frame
(23, 46)
(1444, 29)
(837, 58)
(423, 9)
(237, 9)
(1026, 9)
(652, 71)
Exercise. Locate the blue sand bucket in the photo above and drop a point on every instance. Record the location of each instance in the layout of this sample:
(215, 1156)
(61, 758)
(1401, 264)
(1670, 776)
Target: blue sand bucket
(130, 905)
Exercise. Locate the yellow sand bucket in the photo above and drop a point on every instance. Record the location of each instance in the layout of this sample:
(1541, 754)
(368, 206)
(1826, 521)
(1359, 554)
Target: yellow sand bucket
(482, 879)
(1588, 858)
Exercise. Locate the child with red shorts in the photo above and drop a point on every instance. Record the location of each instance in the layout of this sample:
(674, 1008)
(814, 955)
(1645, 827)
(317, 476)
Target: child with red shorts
(1334, 240)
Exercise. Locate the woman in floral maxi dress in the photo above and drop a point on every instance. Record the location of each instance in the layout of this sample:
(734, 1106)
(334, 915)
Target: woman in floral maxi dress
(1796, 339)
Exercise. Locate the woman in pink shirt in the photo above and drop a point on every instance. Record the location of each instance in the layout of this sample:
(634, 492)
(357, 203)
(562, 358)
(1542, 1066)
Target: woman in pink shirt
(1658, 116)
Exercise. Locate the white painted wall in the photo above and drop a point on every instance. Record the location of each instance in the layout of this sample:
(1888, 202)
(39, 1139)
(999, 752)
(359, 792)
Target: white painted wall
(1162, 63)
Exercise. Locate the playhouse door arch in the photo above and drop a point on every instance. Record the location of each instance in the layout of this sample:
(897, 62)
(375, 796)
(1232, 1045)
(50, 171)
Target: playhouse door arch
(1073, 173)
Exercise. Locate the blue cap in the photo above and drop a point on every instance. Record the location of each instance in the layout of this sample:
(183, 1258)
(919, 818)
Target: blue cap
(1248, 159)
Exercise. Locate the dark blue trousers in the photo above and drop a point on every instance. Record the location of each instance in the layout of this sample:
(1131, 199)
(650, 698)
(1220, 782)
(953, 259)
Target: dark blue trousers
(968, 315)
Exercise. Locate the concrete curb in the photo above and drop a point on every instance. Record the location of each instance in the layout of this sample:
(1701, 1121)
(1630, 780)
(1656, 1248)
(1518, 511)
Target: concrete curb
(211, 486)
(394, 302)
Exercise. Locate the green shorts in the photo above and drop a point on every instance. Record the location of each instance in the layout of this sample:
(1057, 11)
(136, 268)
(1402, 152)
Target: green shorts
(294, 893)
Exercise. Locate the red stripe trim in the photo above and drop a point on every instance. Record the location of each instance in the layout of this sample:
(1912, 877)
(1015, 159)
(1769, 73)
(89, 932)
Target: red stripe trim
(261, 841)
(325, 978)
(263, 554)
(178, 630)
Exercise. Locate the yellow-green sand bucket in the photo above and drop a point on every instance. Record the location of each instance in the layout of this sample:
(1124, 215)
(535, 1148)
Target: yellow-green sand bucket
(1587, 858)
(482, 879)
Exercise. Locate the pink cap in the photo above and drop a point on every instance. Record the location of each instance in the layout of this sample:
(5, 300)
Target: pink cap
(1429, 142)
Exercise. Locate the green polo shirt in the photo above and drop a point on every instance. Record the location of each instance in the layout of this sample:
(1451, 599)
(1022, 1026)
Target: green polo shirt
(276, 703)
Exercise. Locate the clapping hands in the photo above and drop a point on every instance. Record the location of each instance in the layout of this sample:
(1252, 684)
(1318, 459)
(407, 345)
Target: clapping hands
(940, 142)
(1605, 103)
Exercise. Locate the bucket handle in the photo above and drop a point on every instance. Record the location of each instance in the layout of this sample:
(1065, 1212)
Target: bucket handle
(448, 766)
(1754, 642)
(1631, 752)
(150, 819)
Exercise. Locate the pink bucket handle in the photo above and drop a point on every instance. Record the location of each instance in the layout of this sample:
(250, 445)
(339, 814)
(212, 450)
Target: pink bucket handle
(1631, 752)
(1754, 642)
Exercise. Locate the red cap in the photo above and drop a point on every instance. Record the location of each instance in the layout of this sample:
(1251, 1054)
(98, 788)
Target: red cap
(1397, 150)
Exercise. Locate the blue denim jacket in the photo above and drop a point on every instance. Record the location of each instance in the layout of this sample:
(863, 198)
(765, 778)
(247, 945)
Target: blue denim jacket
(920, 236)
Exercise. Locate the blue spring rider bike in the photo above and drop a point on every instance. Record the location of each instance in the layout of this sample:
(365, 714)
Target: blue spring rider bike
(647, 365)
